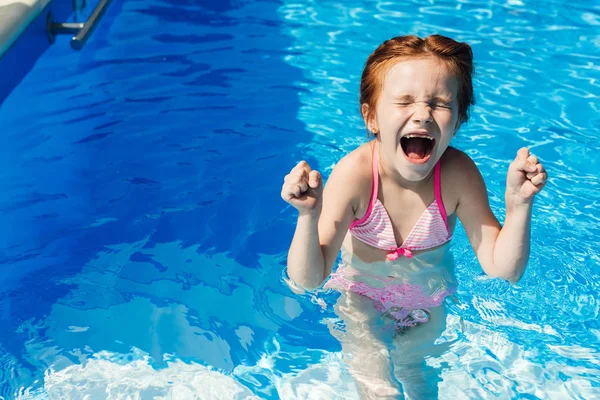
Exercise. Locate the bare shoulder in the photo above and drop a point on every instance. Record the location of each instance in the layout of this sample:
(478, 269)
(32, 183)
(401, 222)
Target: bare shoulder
(458, 166)
(357, 164)
(351, 177)
(460, 178)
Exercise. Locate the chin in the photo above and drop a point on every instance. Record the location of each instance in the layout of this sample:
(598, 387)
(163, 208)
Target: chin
(412, 175)
(415, 172)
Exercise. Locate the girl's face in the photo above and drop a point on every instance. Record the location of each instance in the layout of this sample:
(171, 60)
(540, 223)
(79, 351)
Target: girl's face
(416, 116)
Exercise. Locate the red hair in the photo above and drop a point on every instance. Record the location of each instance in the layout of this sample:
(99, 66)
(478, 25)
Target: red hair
(457, 56)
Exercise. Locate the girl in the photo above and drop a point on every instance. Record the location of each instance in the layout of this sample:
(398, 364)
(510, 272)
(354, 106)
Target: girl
(391, 207)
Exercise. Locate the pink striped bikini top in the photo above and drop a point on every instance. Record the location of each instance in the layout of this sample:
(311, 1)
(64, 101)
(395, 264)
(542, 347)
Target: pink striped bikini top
(375, 227)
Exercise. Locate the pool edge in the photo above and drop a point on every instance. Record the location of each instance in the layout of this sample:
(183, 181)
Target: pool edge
(24, 37)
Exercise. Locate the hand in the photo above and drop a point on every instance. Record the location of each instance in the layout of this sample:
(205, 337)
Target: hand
(526, 177)
(303, 189)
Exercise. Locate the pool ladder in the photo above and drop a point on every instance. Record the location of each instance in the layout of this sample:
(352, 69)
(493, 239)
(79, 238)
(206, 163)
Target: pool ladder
(82, 30)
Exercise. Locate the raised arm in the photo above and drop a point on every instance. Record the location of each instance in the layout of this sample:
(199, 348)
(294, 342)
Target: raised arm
(502, 251)
(323, 220)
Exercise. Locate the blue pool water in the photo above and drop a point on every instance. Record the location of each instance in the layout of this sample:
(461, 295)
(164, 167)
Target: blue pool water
(143, 237)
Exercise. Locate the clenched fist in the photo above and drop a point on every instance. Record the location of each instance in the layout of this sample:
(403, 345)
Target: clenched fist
(526, 177)
(303, 189)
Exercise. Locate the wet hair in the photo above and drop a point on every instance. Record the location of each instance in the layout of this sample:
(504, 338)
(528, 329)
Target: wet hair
(457, 56)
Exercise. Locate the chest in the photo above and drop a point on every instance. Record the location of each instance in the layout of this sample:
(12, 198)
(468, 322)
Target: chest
(405, 208)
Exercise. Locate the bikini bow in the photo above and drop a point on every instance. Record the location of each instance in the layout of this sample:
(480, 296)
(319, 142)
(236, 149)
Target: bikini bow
(399, 252)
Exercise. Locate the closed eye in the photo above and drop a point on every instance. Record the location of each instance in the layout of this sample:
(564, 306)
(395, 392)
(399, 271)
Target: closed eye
(441, 105)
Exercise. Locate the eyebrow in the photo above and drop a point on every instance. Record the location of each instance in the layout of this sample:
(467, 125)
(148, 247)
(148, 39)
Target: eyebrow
(436, 99)
(404, 97)
(442, 99)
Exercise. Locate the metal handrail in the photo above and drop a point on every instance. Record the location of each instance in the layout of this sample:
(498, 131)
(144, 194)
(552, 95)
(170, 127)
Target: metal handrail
(81, 30)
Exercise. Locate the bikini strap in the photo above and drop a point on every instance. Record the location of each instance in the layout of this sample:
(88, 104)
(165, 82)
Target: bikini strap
(438, 192)
(375, 184)
(374, 187)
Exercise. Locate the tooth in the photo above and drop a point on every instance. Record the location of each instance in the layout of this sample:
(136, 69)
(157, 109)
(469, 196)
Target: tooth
(417, 136)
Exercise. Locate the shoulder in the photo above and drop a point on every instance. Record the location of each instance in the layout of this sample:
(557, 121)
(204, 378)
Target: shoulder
(357, 164)
(460, 177)
(352, 176)
(457, 166)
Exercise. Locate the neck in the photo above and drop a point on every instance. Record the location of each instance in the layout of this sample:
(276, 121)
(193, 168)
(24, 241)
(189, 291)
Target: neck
(391, 173)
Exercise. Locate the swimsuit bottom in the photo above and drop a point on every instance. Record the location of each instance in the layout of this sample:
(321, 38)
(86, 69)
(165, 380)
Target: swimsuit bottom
(407, 303)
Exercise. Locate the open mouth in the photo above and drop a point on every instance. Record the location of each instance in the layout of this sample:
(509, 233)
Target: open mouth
(417, 148)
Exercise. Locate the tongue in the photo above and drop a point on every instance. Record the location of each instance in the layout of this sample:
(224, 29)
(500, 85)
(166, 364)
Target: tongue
(416, 148)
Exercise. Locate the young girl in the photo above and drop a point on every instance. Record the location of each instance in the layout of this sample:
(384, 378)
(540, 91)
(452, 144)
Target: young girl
(391, 207)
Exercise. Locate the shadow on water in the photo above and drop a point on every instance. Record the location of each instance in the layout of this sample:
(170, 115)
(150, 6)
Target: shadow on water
(141, 204)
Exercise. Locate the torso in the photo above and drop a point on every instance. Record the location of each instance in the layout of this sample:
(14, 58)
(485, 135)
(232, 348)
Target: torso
(398, 286)
(407, 207)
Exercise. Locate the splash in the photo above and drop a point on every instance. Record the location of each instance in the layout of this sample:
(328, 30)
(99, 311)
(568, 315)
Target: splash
(114, 376)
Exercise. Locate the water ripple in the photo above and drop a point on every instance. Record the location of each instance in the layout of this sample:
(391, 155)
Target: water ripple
(143, 217)
(536, 86)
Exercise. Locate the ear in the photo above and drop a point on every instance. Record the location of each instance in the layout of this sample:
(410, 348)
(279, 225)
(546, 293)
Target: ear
(369, 118)
(458, 124)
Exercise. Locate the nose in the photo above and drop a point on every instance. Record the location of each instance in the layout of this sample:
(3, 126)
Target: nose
(422, 114)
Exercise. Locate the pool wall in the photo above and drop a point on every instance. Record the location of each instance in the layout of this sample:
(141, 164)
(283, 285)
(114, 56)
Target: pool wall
(24, 36)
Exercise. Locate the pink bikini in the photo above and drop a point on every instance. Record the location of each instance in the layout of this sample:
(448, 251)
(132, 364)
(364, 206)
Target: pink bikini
(375, 229)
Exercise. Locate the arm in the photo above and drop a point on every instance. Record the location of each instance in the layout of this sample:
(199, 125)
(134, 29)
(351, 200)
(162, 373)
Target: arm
(501, 251)
(323, 220)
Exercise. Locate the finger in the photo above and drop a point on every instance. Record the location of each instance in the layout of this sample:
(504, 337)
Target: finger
(300, 172)
(295, 176)
(314, 179)
(532, 159)
(523, 165)
(286, 194)
(296, 191)
(293, 189)
(297, 187)
(303, 185)
(539, 168)
(539, 179)
(300, 175)
(302, 166)
(522, 154)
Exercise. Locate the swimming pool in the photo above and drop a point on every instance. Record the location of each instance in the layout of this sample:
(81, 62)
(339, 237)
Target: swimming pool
(143, 236)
